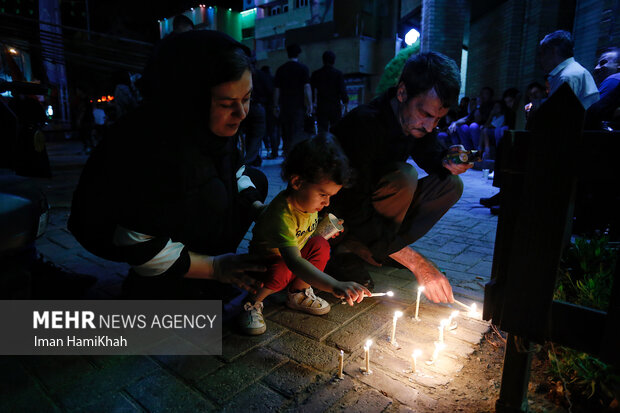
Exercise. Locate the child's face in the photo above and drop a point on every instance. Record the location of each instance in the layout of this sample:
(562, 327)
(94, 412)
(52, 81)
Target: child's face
(310, 197)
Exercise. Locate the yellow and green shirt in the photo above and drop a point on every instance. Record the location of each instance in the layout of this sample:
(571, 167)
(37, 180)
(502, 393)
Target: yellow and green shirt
(281, 225)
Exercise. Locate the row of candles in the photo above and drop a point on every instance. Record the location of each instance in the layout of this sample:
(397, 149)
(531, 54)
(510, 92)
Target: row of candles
(439, 344)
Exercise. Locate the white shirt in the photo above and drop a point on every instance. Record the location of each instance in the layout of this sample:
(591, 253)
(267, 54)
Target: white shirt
(578, 78)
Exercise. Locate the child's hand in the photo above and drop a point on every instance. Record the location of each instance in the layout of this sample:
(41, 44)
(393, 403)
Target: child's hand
(340, 222)
(351, 291)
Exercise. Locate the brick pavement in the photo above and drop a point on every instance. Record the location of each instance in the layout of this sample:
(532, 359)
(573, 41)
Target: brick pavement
(292, 366)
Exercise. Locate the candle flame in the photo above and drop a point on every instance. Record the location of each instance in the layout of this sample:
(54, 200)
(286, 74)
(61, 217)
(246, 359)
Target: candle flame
(390, 294)
(398, 314)
(421, 288)
(368, 343)
(417, 352)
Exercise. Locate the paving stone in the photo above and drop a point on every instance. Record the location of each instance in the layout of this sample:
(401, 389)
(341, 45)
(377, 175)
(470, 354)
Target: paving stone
(190, 368)
(398, 363)
(305, 350)
(453, 248)
(317, 327)
(353, 335)
(475, 295)
(393, 388)
(114, 402)
(161, 392)
(460, 276)
(292, 377)
(115, 375)
(448, 265)
(59, 371)
(432, 252)
(367, 400)
(322, 396)
(342, 314)
(468, 258)
(236, 376)
(20, 391)
(236, 345)
(482, 268)
(384, 282)
(256, 398)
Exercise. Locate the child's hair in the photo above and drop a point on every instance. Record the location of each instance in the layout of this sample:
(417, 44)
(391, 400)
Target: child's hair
(317, 159)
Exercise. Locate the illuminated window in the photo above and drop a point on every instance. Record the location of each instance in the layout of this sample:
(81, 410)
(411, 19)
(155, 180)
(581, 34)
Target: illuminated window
(301, 3)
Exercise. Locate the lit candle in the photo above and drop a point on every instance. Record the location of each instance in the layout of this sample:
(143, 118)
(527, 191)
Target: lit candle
(438, 348)
(473, 313)
(341, 365)
(442, 325)
(367, 356)
(451, 323)
(397, 314)
(414, 359)
(389, 294)
(417, 303)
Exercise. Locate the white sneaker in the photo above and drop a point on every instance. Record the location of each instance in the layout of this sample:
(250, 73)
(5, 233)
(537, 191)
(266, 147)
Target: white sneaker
(307, 302)
(492, 175)
(251, 320)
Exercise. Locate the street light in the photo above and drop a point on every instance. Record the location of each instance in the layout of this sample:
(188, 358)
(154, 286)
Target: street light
(412, 36)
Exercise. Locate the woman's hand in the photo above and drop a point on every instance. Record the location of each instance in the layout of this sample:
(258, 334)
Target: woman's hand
(232, 268)
(227, 268)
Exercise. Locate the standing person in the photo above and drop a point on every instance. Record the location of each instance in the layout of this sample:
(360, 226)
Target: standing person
(292, 97)
(272, 132)
(330, 93)
(166, 190)
(557, 61)
(315, 169)
(388, 208)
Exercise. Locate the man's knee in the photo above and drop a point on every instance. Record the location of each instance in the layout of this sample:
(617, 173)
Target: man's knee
(454, 188)
(405, 178)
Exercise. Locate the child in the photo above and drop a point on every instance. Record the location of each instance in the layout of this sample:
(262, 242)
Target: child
(315, 169)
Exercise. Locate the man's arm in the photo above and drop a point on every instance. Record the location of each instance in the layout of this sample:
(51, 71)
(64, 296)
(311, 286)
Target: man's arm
(437, 286)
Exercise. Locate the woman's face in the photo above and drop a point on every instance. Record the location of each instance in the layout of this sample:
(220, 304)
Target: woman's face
(230, 103)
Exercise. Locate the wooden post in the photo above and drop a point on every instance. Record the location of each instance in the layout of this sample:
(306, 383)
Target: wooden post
(515, 376)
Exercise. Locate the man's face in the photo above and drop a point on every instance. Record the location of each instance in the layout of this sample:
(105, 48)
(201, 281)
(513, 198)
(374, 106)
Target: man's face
(548, 59)
(230, 103)
(535, 93)
(608, 64)
(420, 114)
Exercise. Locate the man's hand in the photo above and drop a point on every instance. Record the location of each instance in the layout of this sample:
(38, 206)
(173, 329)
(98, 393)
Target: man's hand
(232, 268)
(437, 286)
(456, 168)
(351, 291)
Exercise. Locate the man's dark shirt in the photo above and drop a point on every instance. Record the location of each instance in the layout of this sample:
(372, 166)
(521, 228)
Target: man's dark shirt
(372, 138)
(290, 79)
(329, 84)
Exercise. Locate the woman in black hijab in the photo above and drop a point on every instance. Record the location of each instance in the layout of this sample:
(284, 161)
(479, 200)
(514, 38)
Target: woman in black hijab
(167, 192)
